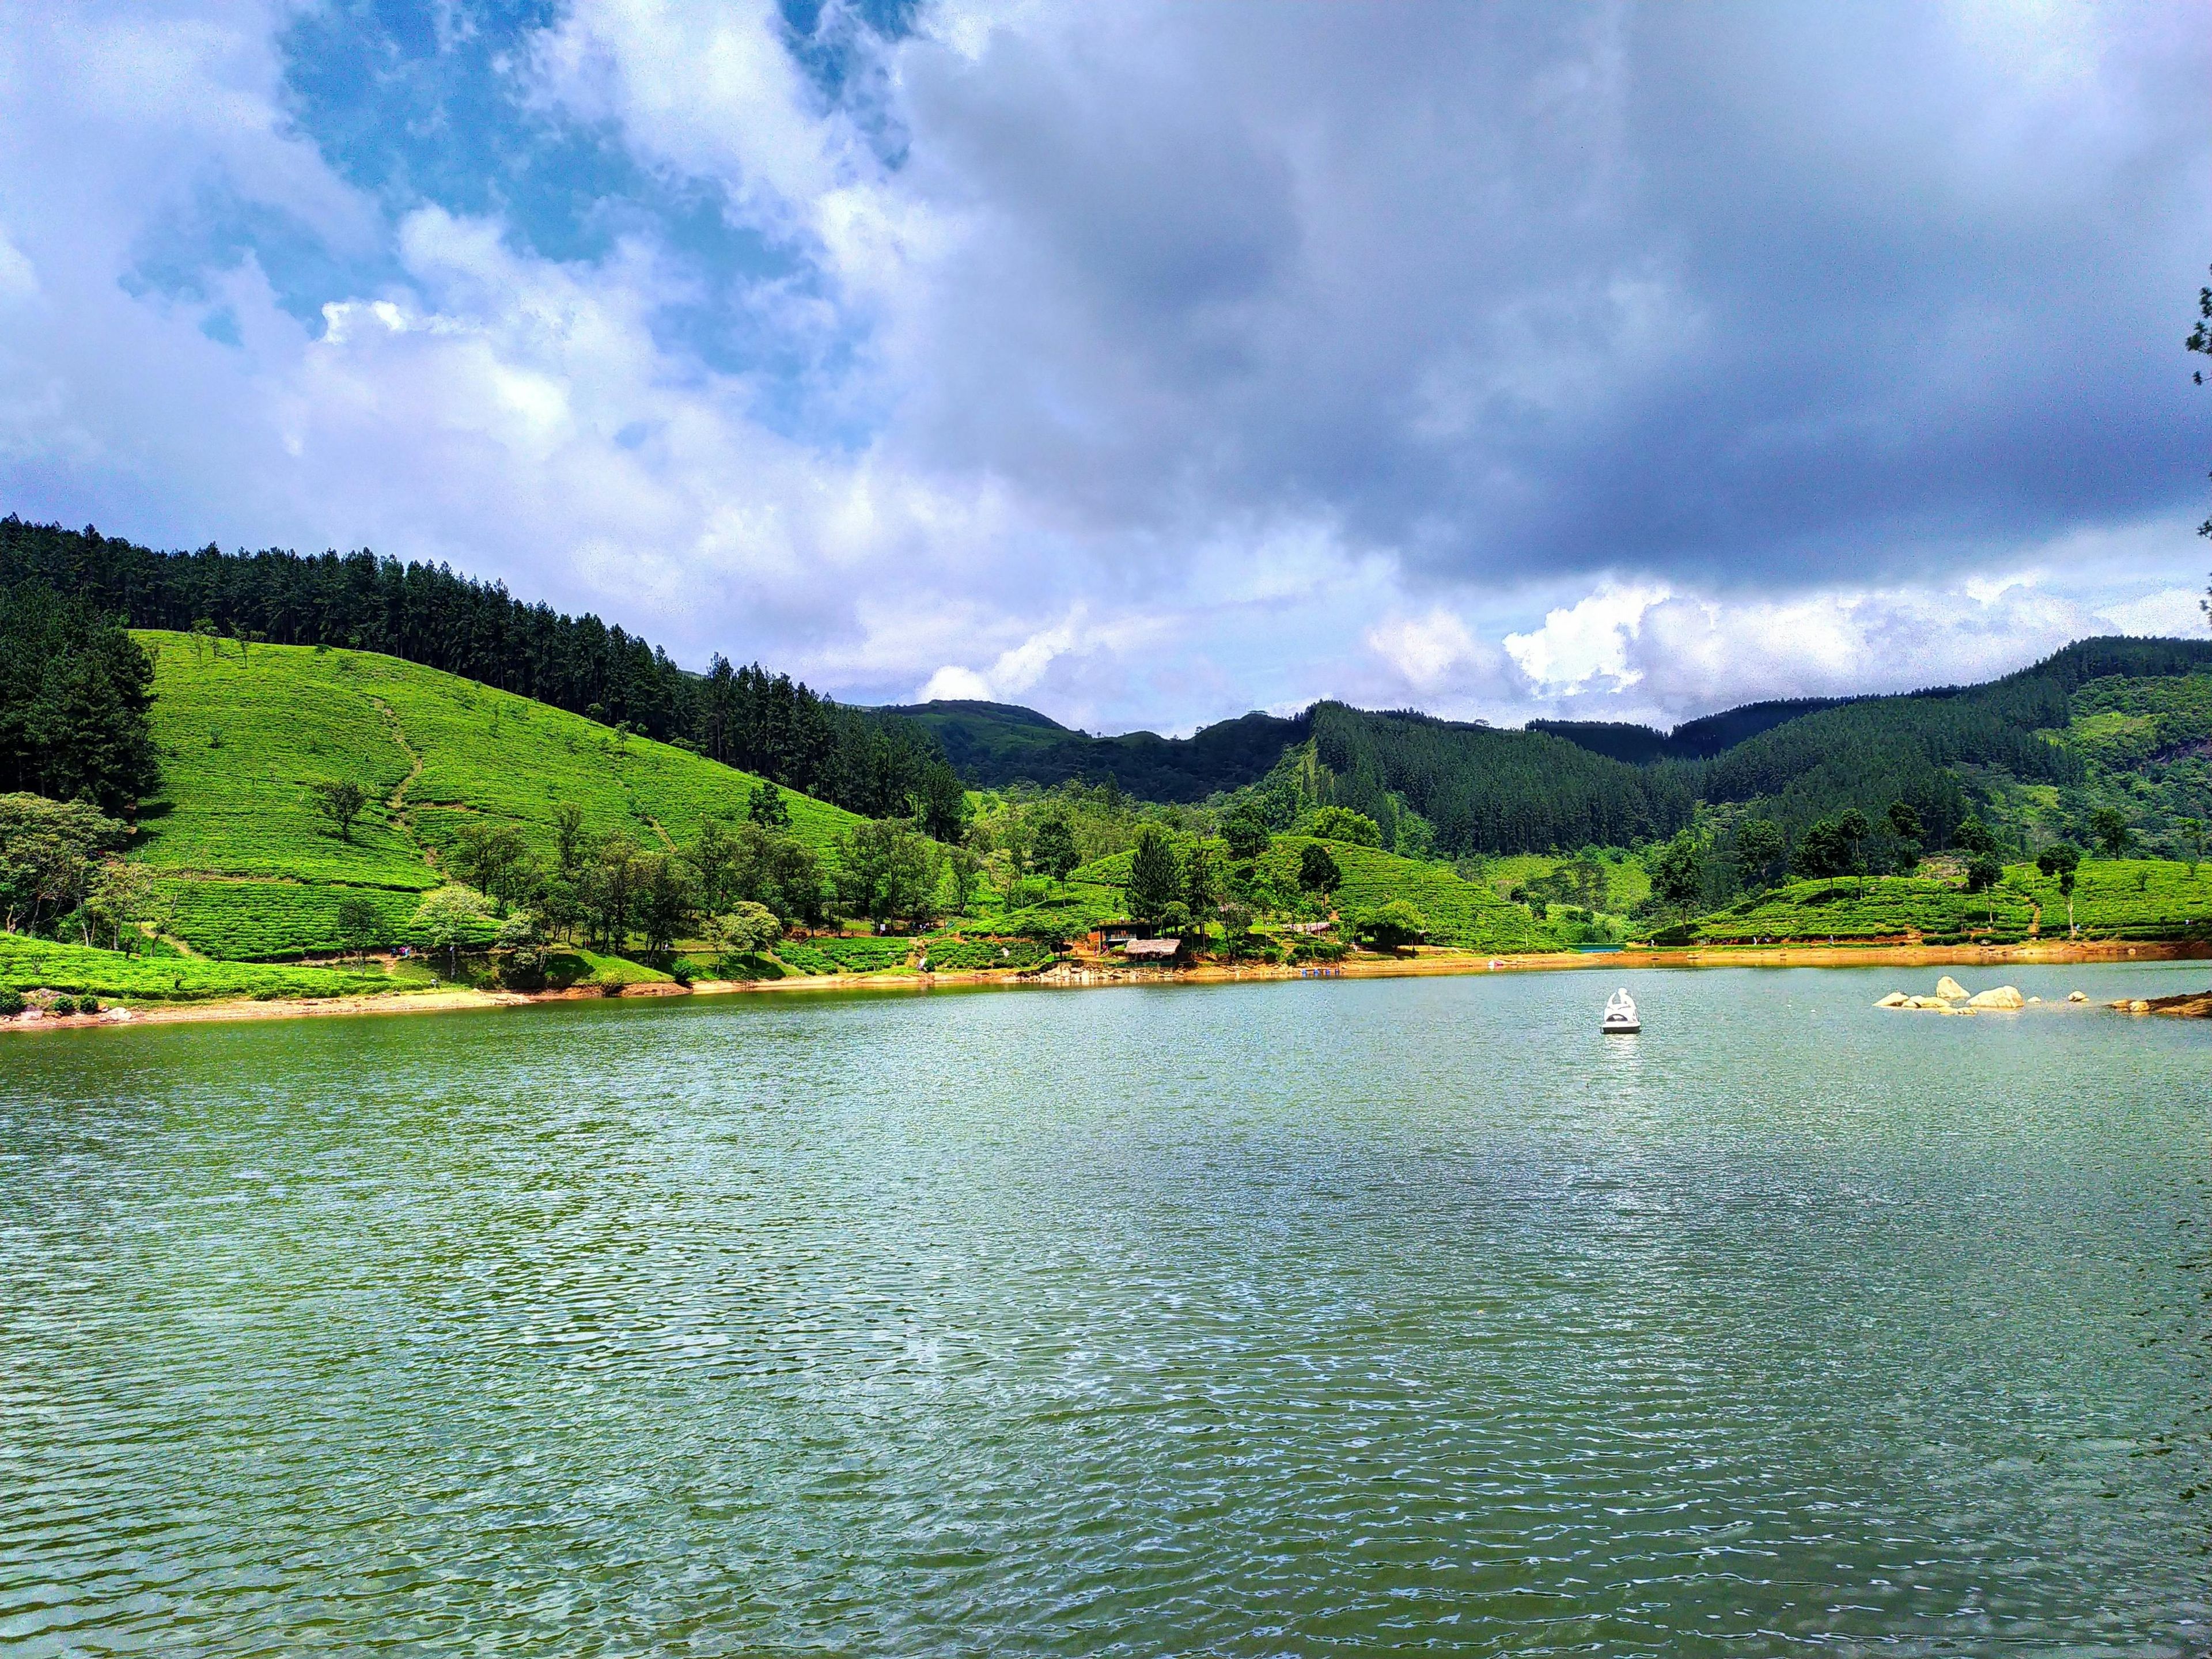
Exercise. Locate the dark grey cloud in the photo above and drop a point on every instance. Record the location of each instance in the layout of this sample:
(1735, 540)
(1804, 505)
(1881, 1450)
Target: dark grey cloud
(1745, 294)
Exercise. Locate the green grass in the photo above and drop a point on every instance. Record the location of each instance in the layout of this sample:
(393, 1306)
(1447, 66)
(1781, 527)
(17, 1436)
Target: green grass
(242, 736)
(28, 964)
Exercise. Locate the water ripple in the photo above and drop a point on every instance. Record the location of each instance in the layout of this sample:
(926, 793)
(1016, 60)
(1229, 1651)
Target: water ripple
(1341, 1317)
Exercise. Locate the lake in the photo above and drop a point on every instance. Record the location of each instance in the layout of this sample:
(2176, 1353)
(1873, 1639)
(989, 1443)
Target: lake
(1290, 1318)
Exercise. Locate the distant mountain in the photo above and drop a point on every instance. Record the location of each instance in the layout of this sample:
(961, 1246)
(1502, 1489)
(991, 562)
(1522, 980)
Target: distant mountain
(991, 744)
(2124, 723)
(1697, 739)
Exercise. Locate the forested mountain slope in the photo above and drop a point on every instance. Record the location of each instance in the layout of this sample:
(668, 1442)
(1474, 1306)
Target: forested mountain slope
(868, 762)
(993, 744)
(1698, 739)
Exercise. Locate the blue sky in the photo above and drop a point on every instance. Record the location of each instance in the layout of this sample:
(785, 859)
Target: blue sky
(1147, 363)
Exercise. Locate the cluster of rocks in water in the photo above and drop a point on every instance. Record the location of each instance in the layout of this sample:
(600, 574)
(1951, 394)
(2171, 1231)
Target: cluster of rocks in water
(1952, 998)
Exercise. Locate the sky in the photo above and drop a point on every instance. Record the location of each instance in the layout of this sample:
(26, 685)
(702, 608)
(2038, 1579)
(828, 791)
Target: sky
(1151, 363)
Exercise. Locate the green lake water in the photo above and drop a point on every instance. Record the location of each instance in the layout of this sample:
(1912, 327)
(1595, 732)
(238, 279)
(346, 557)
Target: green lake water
(1303, 1317)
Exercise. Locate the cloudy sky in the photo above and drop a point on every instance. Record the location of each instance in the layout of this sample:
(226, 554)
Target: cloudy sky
(1146, 363)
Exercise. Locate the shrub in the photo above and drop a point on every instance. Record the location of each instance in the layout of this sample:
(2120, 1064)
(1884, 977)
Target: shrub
(11, 1004)
(523, 968)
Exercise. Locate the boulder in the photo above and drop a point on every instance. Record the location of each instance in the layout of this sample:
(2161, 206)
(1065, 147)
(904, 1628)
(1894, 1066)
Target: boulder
(2077, 996)
(2139, 1006)
(2004, 996)
(1950, 988)
(1895, 999)
(2032, 1001)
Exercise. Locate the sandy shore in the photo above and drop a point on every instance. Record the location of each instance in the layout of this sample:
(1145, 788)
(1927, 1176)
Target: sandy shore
(1077, 974)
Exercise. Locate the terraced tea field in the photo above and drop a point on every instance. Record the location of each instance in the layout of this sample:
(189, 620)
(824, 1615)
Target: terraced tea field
(1875, 908)
(28, 964)
(245, 731)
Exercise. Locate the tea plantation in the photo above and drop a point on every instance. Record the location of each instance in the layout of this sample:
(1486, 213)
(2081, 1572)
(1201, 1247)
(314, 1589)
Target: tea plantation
(28, 964)
(1881, 907)
(254, 872)
(2113, 898)
(859, 954)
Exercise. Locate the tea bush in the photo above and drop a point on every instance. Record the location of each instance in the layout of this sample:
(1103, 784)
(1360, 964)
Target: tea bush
(75, 970)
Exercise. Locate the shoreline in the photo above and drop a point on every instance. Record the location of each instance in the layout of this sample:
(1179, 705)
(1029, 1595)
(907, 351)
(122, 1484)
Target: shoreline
(1077, 975)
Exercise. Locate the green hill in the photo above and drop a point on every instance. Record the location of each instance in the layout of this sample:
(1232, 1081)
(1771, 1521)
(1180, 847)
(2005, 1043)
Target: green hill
(1467, 913)
(991, 744)
(243, 731)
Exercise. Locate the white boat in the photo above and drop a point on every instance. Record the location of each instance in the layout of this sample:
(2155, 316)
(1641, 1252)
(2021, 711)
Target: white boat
(1620, 1015)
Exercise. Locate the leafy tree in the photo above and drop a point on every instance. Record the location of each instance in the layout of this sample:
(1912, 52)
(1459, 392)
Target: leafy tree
(963, 866)
(746, 929)
(2192, 831)
(2200, 339)
(119, 895)
(561, 904)
(521, 941)
(1972, 836)
(2059, 861)
(49, 854)
(1984, 871)
(1155, 882)
(1318, 870)
(1413, 836)
(1201, 880)
(608, 889)
(1052, 848)
(667, 906)
(1342, 824)
(568, 837)
(714, 856)
(1236, 926)
(767, 807)
(1245, 829)
(1907, 832)
(887, 870)
(1758, 849)
(1678, 872)
(1395, 924)
(358, 922)
(492, 857)
(447, 918)
(941, 803)
(2112, 830)
(340, 801)
(1831, 847)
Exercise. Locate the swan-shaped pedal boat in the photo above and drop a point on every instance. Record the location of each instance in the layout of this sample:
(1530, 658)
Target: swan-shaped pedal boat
(1620, 1015)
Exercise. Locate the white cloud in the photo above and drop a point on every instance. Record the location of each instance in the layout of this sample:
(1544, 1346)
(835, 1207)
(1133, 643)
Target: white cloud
(2169, 610)
(1588, 641)
(708, 90)
(1425, 649)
